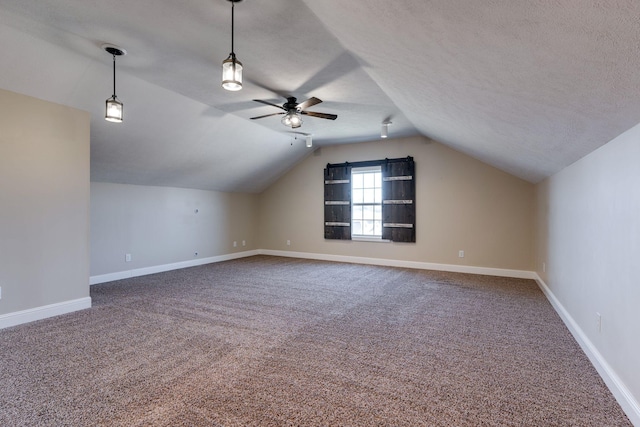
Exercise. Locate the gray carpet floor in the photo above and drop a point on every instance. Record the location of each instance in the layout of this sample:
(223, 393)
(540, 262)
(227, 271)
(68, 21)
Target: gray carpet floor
(269, 341)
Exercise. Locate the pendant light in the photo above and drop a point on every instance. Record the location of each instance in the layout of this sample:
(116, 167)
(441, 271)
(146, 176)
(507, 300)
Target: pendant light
(114, 110)
(231, 67)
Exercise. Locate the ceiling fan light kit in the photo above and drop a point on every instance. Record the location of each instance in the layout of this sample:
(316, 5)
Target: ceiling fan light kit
(292, 119)
(114, 108)
(231, 67)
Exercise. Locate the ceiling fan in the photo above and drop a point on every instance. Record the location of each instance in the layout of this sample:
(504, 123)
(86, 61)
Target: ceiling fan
(293, 111)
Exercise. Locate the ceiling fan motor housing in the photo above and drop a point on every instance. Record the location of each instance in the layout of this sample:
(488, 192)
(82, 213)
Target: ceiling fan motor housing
(291, 104)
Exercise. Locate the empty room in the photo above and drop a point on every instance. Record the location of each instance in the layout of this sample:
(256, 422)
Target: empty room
(306, 213)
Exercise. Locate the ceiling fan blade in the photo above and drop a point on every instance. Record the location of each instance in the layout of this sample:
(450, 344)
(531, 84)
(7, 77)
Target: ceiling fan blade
(319, 115)
(269, 103)
(308, 103)
(264, 86)
(267, 115)
(342, 65)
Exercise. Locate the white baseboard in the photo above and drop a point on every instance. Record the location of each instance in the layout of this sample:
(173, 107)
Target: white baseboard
(519, 274)
(629, 404)
(102, 278)
(39, 313)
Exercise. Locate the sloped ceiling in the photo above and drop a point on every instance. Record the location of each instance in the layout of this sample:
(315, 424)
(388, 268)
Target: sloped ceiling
(528, 87)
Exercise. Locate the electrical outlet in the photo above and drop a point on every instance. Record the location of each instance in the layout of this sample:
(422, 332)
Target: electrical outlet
(460, 254)
(0, 292)
(235, 244)
(599, 322)
(288, 242)
(544, 267)
(127, 258)
(244, 243)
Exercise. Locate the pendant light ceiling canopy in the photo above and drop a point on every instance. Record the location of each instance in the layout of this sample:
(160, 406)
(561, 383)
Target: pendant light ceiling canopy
(114, 108)
(231, 67)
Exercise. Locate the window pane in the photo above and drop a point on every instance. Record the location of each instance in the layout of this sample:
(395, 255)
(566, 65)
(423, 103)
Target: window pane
(367, 228)
(369, 196)
(356, 181)
(367, 212)
(357, 212)
(357, 196)
(378, 195)
(378, 179)
(378, 212)
(357, 227)
(368, 180)
(377, 228)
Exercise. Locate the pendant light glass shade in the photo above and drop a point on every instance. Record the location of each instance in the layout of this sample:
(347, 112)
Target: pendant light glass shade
(232, 73)
(231, 67)
(292, 119)
(113, 110)
(309, 141)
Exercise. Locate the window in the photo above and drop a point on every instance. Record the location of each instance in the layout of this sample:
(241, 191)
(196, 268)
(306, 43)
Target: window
(373, 199)
(366, 202)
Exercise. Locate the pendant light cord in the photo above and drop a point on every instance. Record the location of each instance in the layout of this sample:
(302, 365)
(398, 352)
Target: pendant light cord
(114, 75)
(232, 21)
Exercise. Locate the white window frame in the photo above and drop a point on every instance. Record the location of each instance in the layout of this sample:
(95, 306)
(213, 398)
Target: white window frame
(366, 237)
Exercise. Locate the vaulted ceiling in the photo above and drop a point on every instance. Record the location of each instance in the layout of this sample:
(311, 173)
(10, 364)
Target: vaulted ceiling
(528, 87)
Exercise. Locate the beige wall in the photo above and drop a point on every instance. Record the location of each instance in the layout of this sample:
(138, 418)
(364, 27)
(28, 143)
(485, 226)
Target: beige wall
(588, 238)
(461, 204)
(44, 203)
(159, 225)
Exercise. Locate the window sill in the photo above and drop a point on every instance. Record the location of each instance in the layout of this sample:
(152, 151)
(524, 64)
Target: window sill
(370, 239)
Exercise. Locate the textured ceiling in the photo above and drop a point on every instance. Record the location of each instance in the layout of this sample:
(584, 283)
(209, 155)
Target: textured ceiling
(529, 87)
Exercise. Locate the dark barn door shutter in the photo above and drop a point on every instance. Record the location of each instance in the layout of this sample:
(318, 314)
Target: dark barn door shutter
(399, 200)
(337, 202)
